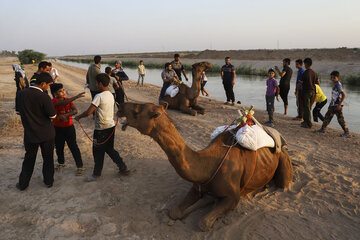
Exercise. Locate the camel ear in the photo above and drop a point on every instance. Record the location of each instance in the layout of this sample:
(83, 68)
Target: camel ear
(157, 112)
(164, 104)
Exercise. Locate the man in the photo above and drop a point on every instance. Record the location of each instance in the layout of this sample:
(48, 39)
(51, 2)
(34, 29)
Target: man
(36, 111)
(120, 76)
(103, 106)
(298, 89)
(53, 72)
(168, 76)
(228, 79)
(42, 67)
(93, 71)
(285, 82)
(178, 67)
(308, 80)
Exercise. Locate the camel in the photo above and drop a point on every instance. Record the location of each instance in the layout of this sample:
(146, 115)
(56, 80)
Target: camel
(186, 99)
(242, 171)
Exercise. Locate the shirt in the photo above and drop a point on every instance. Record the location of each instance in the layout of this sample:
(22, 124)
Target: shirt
(33, 79)
(53, 73)
(320, 96)
(168, 75)
(91, 74)
(111, 84)
(308, 80)
(335, 94)
(104, 113)
(61, 110)
(141, 69)
(299, 74)
(285, 80)
(271, 84)
(228, 73)
(177, 67)
(205, 78)
(36, 110)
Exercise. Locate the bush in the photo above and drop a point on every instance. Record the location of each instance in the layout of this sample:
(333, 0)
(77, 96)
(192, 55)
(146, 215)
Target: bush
(26, 56)
(353, 80)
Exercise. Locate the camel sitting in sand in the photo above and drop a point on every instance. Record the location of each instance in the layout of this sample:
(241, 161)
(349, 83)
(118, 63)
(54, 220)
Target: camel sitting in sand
(242, 171)
(186, 99)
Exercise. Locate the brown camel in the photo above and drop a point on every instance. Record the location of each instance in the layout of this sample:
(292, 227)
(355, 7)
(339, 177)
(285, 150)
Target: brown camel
(186, 99)
(242, 171)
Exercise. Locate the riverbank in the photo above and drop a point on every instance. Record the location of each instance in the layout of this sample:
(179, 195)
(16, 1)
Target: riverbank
(322, 203)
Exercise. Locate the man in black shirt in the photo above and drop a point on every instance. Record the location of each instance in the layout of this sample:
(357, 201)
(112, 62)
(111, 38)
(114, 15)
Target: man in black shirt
(178, 67)
(285, 82)
(42, 67)
(228, 78)
(36, 111)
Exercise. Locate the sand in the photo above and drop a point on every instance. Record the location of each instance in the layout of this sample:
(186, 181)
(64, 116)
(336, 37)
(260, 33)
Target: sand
(323, 202)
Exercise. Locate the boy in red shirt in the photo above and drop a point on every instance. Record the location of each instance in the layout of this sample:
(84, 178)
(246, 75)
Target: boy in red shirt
(64, 126)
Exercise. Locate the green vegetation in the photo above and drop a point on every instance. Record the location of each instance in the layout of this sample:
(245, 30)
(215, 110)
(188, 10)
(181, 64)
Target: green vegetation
(241, 70)
(353, 80)
(5, 53)
(26, 56)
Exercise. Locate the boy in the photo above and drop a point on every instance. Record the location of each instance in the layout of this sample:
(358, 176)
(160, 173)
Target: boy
(298, 89)
(141, 72)
(335, 107)
(113, 84)
(36, 111)
(64, 127)
(321, 101)
(103, 106)
(271, 91)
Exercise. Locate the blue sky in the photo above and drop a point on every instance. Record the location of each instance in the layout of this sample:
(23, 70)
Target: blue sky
(98, 27)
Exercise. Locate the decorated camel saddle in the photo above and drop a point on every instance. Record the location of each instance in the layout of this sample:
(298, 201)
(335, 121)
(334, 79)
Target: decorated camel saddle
(250, 134)
(173, 89)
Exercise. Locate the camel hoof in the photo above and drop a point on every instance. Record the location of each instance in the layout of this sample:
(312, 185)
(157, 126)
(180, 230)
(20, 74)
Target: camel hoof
(205, 225)
(194, 113)
(175, 213)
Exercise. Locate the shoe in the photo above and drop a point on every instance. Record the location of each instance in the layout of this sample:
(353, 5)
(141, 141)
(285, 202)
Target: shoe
(59, 166)
(79, 171)
(226, 103)
(238, 102)
(92, 178)
(304, 125)
(124, 171)
(20, 188)
(345, 135)
(320, 131)
(49, 185)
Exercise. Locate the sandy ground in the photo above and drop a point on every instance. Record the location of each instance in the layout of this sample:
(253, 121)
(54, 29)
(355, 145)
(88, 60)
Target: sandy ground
(323, 202)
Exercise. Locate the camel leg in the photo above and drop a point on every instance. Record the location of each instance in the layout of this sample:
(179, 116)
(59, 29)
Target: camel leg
(199, 109)
(186, 109)
(284, 172)
(191, 197)
(225, 204)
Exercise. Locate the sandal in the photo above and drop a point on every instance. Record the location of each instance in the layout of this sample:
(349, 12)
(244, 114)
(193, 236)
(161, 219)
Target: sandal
(79, 171)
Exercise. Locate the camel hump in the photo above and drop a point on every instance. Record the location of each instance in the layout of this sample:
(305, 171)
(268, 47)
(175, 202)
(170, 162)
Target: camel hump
(278, 138)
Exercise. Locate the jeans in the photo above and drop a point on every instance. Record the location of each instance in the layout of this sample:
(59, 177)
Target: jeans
(316, 111)
(340, 117)
(120, 96)
(309, 98)
(68, 135)
(229, 91)
(270, 100)
(108, 147)
(142, 79)
(284, 92)
(47, 152)
(163, 89)
(299, 103)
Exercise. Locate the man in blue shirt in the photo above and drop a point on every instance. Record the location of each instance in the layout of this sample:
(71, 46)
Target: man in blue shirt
(298, 89)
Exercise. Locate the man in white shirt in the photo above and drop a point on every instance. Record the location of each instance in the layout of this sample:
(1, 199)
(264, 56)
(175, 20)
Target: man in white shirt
(53, 72)
(103, 106)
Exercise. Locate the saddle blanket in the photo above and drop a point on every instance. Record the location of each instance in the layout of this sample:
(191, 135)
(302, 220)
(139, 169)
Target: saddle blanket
(172, 91)
(249, 137)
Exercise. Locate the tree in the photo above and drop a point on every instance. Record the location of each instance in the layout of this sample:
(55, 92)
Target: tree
(26, 56)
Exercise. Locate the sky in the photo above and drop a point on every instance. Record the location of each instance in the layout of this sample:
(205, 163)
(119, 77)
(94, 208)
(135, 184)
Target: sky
(84, 27)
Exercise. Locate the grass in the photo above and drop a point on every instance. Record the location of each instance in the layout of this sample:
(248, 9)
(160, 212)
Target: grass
(353, 80)
(241, 70)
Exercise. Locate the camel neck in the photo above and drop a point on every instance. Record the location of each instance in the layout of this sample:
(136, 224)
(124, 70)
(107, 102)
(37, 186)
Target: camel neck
(195, 87)
(186, 161)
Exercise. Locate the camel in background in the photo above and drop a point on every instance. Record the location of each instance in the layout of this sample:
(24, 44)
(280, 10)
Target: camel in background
(237, 176)
(186, 99)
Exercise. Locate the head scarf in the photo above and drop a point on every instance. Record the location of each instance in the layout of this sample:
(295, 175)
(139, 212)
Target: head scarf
(17, 68)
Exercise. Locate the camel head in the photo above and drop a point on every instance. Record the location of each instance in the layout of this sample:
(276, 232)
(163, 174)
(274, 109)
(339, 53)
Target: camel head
(143, 117)
(201, 66)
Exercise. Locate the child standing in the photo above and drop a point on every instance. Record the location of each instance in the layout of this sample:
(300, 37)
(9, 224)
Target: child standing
(272, 90)
(64, 127)
(203, 82)
(335, 107)
(113, 84)
(103, 106)
(321, 101)
(141, 72)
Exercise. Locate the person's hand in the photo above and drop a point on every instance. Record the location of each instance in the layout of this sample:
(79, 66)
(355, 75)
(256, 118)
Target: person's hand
(233, 83)
(80, 95)
(186, 79)
(295, 93)
(62, 118)
(77, 118)
(339, 107)
(277, 98)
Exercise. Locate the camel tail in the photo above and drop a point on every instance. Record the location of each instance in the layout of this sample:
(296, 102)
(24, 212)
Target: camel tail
(284, 172)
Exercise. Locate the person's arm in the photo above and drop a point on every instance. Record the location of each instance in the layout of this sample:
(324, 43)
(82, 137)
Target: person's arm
(87, 113)
(65, 117)
(87, 77)
(280, 73)
(234, 76)
(339, 107)
(222, 74)
(69, 100)
(277, 93)
(183, 71)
